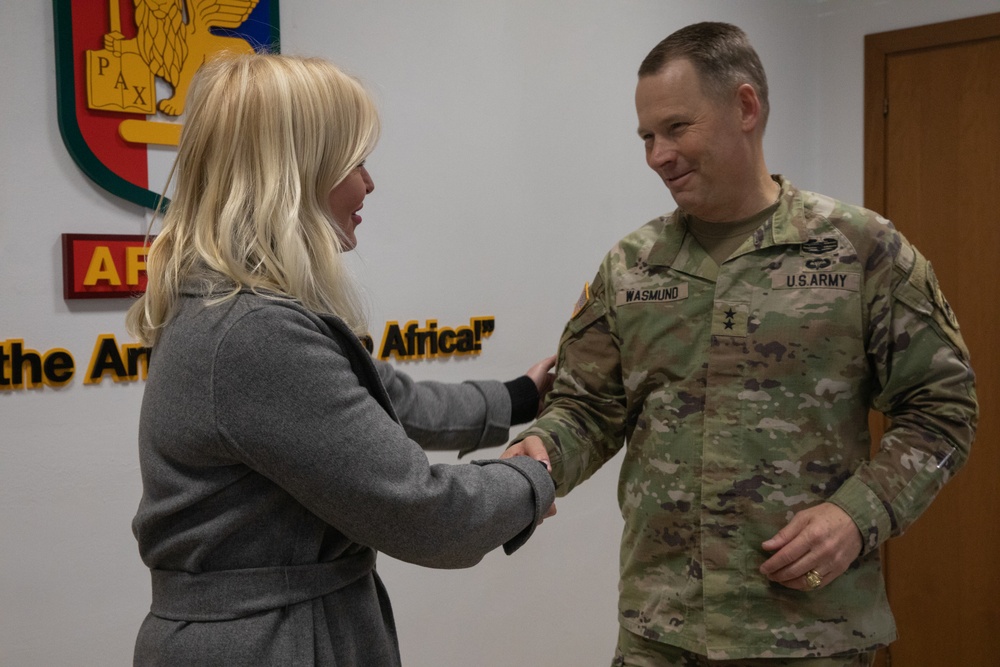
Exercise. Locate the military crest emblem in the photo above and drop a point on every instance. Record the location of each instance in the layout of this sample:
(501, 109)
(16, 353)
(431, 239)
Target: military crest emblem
(122, 72)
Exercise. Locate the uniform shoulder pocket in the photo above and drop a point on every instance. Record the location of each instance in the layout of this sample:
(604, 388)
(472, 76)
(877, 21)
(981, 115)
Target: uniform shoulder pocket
(921, 291)
(591, 310)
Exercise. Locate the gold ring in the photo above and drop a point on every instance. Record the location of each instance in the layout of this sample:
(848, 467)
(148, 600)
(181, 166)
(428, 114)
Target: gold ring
(813, 580)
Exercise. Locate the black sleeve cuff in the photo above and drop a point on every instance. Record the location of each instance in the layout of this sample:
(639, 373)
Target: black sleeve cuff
(523, 399)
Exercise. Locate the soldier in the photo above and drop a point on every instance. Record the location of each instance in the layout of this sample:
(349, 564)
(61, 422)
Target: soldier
(736, 345)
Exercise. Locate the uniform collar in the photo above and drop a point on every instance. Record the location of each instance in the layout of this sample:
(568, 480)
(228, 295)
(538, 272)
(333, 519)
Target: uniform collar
(785, 227)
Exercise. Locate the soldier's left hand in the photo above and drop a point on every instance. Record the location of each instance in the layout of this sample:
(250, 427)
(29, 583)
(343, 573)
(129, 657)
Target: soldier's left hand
(823, 539)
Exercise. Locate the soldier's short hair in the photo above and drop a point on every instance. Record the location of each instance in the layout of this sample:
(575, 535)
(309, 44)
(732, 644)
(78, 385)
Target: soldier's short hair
(721, 54)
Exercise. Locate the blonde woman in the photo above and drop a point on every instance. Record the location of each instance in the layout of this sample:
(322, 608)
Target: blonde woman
(276, 454)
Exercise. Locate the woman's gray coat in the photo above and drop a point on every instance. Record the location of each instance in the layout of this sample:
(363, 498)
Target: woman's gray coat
(274, 466)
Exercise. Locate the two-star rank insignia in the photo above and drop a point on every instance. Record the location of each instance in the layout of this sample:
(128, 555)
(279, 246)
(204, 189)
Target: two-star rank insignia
(730, 319)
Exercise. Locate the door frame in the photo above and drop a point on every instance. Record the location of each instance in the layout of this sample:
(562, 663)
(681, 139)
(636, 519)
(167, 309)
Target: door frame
(879, 47)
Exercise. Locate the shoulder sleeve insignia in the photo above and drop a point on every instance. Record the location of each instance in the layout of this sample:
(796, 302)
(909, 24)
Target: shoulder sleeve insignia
(582, 301)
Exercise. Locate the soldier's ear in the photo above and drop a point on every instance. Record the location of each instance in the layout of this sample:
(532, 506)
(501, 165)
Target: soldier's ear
(749, 105)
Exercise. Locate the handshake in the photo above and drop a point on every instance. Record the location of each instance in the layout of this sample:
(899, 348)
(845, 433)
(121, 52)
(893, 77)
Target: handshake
(541, 375)
(533, 447)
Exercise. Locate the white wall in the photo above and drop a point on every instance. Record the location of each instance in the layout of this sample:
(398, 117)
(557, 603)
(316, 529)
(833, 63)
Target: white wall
(840, 27)
(508, 165)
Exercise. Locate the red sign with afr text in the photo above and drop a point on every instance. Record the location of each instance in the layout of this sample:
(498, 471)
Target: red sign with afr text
(104, 265)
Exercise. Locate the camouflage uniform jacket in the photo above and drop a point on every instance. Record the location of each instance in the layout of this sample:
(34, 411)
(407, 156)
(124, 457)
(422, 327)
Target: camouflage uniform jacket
(743, 393)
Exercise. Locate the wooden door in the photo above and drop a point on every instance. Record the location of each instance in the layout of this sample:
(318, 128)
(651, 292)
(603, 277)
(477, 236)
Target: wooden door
(932, 165)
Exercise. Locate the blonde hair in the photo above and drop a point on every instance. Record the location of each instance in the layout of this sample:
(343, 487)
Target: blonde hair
(265, 140)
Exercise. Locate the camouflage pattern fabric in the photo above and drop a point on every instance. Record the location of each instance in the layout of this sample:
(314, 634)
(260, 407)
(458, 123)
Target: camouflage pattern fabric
(636, 651)
(743, 393)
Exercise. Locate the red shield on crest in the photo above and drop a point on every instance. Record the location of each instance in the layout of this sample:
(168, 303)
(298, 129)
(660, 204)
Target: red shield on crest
(122, 72)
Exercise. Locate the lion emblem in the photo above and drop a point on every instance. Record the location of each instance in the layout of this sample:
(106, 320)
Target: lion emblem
(173, 49)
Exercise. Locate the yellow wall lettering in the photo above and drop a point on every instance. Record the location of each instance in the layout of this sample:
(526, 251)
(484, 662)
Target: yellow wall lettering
(135, 261)
(411, 342)
(22, 368)
(129, 362)
(102, 267)
(25, 368)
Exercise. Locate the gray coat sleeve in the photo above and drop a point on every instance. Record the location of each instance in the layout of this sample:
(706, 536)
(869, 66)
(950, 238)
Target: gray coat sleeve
(291, 407)
(465, 416)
